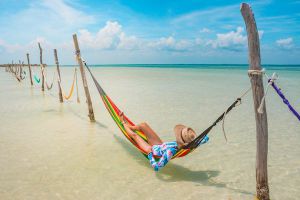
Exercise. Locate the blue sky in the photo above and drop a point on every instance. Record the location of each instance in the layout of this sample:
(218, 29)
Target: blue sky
(140, 31)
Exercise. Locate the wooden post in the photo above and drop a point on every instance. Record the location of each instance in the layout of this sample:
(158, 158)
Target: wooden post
(29, 67)
(20, 70)
(15, 69)
(23, 68)
(262, 188)
(42, 66)
(20, 67)
(59, 78)
(85, 85)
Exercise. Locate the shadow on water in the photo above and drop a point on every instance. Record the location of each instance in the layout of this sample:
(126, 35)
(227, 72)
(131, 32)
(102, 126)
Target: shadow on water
(86, 118)
(175, 173)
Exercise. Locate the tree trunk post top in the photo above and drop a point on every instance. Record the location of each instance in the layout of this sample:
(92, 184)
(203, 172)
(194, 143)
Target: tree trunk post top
(262, 188)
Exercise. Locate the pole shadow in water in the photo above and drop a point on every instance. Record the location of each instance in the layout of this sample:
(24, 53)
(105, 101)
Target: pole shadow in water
(175, 173)
(86, 118)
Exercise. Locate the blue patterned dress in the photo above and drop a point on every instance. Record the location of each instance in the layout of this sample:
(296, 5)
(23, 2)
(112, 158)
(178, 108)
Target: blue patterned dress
(165, 151)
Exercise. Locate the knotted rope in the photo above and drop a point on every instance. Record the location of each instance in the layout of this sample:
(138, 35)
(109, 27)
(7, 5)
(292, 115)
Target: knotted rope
(271, 81)
(260, 72)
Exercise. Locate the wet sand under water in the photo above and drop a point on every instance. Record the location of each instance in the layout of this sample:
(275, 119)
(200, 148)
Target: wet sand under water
(51, 150)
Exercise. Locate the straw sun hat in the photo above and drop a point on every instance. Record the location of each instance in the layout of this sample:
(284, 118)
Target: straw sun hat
(184, 134)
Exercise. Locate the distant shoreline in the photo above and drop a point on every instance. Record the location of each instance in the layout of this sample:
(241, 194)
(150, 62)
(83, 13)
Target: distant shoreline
(188, 66)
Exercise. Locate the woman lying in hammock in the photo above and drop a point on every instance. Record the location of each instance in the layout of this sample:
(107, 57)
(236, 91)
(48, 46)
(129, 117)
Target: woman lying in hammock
(155, 146)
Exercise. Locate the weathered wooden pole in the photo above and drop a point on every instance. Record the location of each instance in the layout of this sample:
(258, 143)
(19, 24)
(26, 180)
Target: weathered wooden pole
(29, 67)
(84, 81)
(23, 69)
(59, 78)
(262, 188)
(20, 71)
(15, 69)
(42, 66)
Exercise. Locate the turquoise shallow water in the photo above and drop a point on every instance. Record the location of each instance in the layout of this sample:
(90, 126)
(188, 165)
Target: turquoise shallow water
(203, 66)
(52, 151)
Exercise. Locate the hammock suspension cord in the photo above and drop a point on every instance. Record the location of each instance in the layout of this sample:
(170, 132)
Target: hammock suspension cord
(225, 112)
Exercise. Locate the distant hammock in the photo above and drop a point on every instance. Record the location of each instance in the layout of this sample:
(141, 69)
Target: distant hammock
(37, 80)
(69, 95)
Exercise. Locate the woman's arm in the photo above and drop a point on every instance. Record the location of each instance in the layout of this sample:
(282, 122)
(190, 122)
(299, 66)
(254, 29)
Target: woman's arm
(162, 161)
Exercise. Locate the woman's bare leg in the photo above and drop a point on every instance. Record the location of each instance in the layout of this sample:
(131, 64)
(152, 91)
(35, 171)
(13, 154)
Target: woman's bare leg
(153, 138)
(141, 143)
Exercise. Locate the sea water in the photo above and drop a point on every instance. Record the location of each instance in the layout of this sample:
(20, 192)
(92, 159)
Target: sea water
(50, 150)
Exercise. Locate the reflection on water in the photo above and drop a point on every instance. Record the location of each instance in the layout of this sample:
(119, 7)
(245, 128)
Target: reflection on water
(52, 151)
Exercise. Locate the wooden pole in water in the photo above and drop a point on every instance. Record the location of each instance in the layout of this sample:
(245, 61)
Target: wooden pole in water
(29, 67)
(59, 78)
(85, 85)
(42, 66)
(23, 69)
(262, 188)
(14, 68)
(20, 70)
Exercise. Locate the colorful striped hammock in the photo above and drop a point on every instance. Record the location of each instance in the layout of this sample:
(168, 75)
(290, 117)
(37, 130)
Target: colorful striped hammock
(114, 112)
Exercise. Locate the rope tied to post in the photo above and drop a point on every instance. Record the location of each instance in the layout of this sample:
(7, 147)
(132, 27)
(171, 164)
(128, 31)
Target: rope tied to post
(270, 81)
(261, 72)
(256, 72)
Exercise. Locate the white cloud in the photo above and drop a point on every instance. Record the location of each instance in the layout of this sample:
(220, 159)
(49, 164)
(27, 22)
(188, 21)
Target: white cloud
(128, 43)
(55, 19)
(44, 43)
(205, 30)
(171, 44)
(199, 41)
(10, 48)
(286, 43)
(232, 40)
(111, 36)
